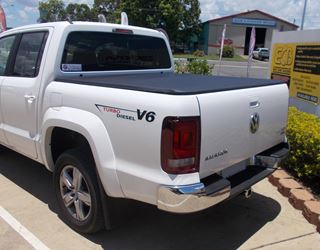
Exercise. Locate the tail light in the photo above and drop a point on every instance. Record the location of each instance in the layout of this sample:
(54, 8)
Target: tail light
(180, 145)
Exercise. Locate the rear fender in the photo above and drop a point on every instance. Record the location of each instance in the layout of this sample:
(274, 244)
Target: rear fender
(93, 129)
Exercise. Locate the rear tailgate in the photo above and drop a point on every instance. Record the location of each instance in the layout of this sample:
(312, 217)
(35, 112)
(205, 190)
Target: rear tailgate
(229, 120)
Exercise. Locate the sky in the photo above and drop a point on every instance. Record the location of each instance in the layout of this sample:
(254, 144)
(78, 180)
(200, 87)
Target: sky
(22, 12)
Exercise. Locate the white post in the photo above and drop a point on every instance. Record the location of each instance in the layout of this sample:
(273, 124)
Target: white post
(221, 47)
(303, 14)
(251, 48)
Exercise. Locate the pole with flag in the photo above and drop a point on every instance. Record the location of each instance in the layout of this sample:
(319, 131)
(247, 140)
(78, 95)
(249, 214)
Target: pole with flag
(251, 48)
(3, 23)
(221, 47)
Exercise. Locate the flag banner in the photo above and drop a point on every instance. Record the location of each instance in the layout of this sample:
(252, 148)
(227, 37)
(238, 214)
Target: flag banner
(251, 48)
(221, 47)
(3, 23)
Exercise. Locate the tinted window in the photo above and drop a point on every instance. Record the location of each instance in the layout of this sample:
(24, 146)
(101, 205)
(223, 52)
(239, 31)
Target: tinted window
(29, 54)
(101, 51)
(5, 48)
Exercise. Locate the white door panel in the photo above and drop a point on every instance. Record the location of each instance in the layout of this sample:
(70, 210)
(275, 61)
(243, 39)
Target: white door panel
(19, 92)
(20, 115)
(3, 139)
(6, 44)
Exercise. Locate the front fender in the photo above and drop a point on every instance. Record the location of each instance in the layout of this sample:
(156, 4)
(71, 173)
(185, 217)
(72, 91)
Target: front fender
(93, 129)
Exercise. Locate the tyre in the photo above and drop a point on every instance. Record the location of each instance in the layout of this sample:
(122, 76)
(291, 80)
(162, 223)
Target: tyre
(2, 148)
(77, 191)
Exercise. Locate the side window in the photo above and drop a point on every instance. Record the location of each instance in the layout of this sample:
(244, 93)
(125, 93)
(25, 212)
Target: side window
(28, 58)
(5, 48)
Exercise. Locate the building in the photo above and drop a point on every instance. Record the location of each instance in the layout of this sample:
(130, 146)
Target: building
(238, 31)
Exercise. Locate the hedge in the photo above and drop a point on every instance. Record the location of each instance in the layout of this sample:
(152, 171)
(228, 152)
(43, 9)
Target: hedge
(199, 53)
(303, 133)
(228, 51)
(195, 66)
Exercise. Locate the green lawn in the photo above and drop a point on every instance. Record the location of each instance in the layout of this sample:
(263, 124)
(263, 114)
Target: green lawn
(211, 57)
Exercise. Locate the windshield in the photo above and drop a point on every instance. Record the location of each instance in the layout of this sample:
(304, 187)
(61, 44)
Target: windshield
(264, 50)
(102, 51)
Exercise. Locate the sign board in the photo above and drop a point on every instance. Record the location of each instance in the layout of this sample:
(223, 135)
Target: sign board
(298, 64)
(254, 22)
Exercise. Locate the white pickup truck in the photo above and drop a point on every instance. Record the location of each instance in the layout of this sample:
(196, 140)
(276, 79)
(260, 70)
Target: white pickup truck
(100, 106)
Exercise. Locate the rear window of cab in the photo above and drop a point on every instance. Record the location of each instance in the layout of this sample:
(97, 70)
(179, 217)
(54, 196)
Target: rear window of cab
(102, 51)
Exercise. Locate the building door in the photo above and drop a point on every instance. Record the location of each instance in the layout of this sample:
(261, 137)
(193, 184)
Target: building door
(260, 38)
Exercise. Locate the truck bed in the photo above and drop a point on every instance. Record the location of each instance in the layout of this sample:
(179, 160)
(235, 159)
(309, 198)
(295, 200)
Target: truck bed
(172, 84)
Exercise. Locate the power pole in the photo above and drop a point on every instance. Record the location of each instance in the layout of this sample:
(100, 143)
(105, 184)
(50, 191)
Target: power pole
(303, 14)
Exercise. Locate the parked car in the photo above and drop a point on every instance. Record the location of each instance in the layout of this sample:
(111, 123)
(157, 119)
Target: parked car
(261, 53)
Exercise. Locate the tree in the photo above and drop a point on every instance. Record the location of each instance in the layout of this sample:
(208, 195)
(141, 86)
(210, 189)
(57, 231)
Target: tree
(108, 8)
(180, 18)
(191, 22)
(79, 12)
(51, 11)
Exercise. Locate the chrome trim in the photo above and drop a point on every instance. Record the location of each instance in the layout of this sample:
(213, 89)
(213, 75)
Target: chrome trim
(254, 122)
(198, 196)
(189, 198)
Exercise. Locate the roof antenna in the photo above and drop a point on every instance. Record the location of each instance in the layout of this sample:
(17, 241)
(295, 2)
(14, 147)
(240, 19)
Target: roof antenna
(102, 18)
(124, 18)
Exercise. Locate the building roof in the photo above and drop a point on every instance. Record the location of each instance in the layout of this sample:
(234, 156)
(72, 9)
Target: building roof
(253, 11)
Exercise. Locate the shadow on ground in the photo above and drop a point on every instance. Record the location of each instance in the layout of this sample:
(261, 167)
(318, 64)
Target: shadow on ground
(225, 226)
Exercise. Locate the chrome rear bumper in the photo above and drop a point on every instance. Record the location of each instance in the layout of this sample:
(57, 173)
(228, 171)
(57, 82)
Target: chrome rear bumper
(214, 189)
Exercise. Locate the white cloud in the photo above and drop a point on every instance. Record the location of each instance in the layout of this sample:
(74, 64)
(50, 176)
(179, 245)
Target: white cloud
(31, 9)
(23, 14)
(29, 3)
(289, 10)
(10, 17)
(35, 3)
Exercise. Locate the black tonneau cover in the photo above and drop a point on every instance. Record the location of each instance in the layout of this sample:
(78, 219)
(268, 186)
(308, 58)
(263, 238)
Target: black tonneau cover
(169, 83)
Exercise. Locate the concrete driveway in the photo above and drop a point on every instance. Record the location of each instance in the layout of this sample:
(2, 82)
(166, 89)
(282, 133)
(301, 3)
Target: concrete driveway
(265, 221)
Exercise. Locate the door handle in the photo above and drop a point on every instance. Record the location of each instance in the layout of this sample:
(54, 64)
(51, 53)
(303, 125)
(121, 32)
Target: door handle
(30, 98)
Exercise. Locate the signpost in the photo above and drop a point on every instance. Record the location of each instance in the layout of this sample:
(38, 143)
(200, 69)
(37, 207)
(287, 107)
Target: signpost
(296, 60)
(253, 21)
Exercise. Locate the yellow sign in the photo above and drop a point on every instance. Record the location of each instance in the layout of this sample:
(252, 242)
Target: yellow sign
(298, 64)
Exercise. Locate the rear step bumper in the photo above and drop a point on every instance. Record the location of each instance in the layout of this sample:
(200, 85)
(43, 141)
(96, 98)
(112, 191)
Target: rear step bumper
(214, 189)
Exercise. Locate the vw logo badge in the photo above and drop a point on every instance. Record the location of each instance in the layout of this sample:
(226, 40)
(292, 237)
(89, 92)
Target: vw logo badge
(254, 123)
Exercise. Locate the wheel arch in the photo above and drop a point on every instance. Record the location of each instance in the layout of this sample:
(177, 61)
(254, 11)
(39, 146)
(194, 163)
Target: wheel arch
(92, 129)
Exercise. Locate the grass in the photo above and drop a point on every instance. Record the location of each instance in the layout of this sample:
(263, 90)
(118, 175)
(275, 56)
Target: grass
(211, 57)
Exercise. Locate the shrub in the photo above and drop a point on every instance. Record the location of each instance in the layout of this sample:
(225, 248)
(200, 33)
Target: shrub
(200, 67)
(228, 51)
(199, 53)
(303, 133)
(196, 66)
(180, 68)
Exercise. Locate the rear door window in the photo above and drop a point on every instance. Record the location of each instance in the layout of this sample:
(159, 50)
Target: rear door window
(102, 51)
(6, 44)
(29, 54)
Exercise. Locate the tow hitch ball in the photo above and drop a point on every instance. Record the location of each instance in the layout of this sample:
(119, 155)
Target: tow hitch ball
(247, 193)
